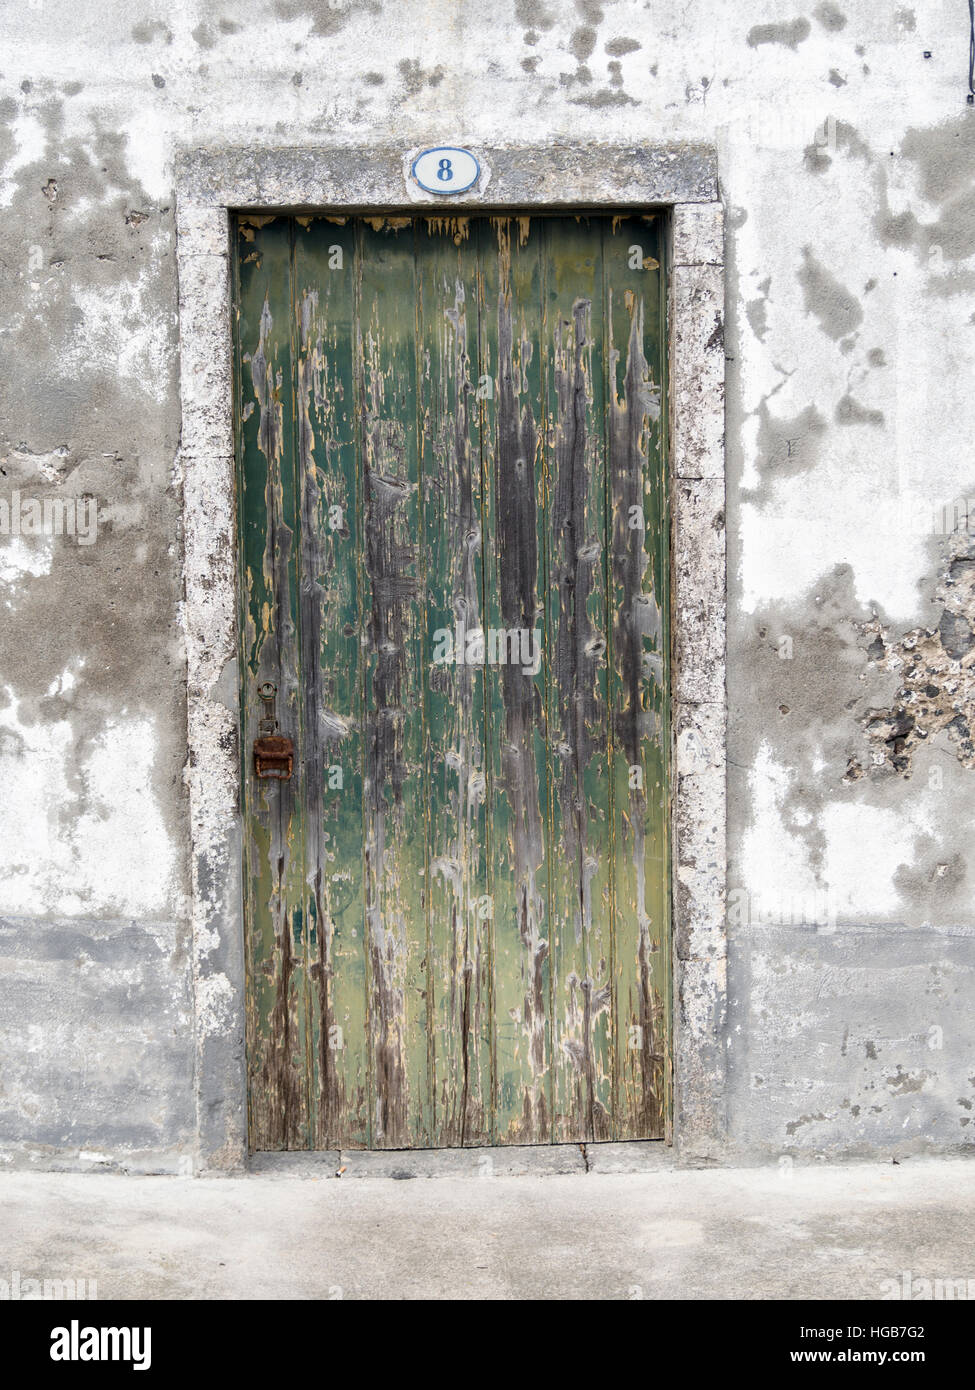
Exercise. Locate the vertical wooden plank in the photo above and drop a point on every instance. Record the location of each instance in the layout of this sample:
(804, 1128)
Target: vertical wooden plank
(638, 665)
(510, 349)
(579, 828)
(393, 781)
(332, 629)
(276, 944)
(459, 906)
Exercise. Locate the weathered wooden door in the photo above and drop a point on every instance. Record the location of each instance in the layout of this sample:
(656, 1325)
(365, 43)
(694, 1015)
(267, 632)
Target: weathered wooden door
(453, 540)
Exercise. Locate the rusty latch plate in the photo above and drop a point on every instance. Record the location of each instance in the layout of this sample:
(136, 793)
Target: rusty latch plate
(274, 757)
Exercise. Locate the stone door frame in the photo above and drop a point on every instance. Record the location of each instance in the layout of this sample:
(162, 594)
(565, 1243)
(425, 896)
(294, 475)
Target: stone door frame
(680, 181)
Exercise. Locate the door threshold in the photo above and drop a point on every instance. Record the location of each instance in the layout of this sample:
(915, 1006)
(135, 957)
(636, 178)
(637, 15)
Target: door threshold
(509, 1161)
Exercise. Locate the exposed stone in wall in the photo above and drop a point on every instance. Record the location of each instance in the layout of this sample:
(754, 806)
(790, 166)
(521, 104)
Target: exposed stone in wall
(935, 669)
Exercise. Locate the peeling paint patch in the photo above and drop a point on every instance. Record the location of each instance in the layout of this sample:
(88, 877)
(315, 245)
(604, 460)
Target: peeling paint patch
(790, 34)
(618, 48)
(798, 1124)
(216, 1004)
(903, 1083)
(31, 142)
(121, 326)
(604, 97)
(830, 17)
(850, 412)
(837, 310)
(17, 559)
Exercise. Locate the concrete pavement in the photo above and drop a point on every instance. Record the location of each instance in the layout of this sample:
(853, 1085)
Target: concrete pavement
(782, 1232)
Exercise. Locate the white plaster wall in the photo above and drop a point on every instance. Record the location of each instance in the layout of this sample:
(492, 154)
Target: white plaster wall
(846, 165)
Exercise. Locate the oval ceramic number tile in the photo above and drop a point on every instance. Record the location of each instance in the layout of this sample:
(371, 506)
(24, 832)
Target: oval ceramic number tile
(446, 170)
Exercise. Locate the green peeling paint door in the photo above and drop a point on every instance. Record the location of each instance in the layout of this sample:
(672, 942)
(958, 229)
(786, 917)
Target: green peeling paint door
(453, 548)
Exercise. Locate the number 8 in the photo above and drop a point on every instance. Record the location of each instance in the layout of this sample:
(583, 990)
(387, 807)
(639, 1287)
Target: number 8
(445, 171)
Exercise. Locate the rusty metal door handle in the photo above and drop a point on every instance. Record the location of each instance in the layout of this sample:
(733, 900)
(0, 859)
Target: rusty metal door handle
(273, 752)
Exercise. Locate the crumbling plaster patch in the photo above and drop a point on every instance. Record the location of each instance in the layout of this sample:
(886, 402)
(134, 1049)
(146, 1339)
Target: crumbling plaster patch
(935, 674)
(827, 844)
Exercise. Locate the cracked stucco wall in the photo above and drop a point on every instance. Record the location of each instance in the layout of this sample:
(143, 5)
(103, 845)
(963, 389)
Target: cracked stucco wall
(846, 166)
